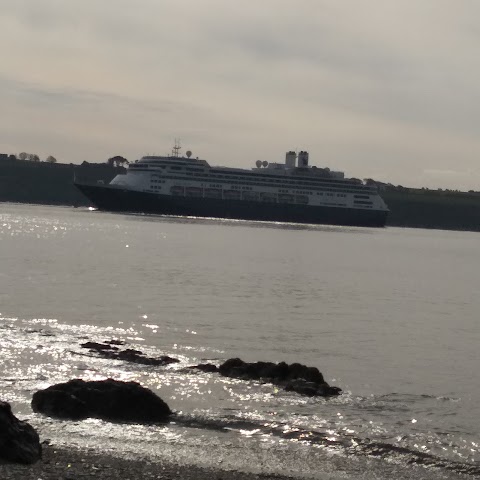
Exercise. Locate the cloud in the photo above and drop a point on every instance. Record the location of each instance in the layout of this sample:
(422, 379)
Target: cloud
(372, 86)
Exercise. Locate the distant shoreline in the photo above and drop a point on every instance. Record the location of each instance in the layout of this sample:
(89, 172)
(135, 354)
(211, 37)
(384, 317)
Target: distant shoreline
(42, 183)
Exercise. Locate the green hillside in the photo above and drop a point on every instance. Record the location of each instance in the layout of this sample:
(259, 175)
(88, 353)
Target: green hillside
(433, 209)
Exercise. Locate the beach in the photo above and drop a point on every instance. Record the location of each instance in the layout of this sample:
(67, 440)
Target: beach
(72, 464)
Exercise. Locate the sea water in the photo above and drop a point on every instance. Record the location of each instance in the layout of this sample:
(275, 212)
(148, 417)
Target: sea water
(391, 316)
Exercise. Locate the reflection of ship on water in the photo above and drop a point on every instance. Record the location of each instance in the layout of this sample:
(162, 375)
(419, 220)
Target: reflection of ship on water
(292, 191)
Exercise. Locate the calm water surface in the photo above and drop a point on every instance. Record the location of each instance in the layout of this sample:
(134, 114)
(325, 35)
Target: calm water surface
(389, 315)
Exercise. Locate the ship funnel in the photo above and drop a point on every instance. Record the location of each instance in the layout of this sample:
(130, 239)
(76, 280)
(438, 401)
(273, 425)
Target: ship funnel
(303, 159)
(290, 159)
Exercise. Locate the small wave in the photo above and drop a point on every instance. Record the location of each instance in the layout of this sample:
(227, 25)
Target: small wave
(346, 444)
(414, 398)
(405, 397)
(448, 399)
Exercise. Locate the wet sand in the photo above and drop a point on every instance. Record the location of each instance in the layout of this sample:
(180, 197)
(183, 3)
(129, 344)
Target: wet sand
(60, 463)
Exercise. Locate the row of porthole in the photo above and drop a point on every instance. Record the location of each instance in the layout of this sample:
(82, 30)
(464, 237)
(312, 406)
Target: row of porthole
(292, 186)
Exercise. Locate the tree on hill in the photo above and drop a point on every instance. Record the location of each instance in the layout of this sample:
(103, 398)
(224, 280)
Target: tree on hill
(51, 159)
(32, 157)
(117, 161)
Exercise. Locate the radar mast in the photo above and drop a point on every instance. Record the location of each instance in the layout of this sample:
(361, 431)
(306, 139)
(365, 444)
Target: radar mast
(176, 148)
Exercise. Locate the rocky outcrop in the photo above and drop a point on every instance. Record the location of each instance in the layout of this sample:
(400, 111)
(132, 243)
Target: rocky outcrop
(294, 377)
(106, 399)
(205, 367)
(111, 351)
(19, 441)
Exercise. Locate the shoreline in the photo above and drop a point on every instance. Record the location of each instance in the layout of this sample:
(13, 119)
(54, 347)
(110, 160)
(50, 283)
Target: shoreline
(72, 463)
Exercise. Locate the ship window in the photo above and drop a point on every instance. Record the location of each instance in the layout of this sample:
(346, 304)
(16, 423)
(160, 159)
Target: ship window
(176, 168)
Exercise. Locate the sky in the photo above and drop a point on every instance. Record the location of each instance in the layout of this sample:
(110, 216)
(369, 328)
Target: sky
(383, 89)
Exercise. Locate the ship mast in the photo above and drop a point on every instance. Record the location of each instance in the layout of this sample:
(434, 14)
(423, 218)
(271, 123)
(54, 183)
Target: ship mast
(176, 148)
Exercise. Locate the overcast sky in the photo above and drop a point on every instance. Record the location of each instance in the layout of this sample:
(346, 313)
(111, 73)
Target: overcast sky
(387, 89)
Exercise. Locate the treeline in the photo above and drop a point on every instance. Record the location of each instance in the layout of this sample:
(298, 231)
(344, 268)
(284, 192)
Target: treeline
(33, 157)
(115, 161)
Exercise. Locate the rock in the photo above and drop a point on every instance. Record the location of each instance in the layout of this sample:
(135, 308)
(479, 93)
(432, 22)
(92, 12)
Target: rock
(205, 367)
(98, 346)
(331, 390)
(106, 350)
(131, 352)
(295, 377)
(135, 356)
(19, 441)
(303, 387)
(311, 389)
(230, 364)
(106, 399)
(59, 404)
(274, 370)
(311, 374)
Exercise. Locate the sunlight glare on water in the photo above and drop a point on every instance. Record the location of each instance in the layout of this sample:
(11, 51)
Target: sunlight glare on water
(388, 315)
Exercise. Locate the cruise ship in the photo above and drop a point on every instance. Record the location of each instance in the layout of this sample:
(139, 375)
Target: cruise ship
(291, 191)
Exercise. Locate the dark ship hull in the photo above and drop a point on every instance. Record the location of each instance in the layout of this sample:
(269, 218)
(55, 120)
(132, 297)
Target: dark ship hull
(115, 199)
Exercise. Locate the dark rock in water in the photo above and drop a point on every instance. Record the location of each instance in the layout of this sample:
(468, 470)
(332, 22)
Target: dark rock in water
(59, 404)
(106, 350)
(19, 441)
(311, 374)
(311, 389)
(205, 367)
(98, 346)
(135, 356)
(295, 377)
(130, 352)
(303, 387)
(107, 399)
(333, 390)
(274, 370)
